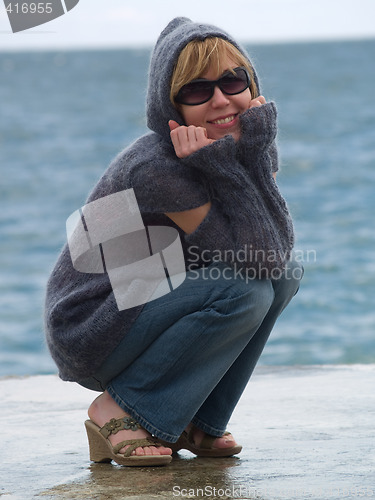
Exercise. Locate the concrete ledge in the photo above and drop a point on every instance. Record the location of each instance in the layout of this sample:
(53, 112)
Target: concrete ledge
(308, 432)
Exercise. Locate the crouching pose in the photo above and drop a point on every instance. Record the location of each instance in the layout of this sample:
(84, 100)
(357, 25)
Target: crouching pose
(171, 371)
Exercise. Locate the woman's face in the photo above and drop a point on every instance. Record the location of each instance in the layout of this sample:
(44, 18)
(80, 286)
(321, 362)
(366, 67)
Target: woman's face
(220, 115)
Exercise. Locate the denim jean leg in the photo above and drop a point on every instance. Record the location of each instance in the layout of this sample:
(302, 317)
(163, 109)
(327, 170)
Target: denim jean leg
(216, 411)
(164, 387)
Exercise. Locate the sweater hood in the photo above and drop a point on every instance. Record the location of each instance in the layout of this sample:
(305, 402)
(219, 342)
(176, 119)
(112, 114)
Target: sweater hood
(178, 33)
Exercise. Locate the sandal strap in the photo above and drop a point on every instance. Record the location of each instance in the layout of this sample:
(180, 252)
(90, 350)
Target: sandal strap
(189, 435)
(134, 444)
(207, 441)
(118, 424)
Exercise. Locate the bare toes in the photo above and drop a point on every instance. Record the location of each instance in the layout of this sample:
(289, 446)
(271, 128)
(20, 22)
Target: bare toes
(165, 451)
(225, 442)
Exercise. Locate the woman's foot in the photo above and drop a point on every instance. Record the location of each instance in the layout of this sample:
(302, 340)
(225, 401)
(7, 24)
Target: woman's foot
(197, 436)
(204, 445)
(104, 408)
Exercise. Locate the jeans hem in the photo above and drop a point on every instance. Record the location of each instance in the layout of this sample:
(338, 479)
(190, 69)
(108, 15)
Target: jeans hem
(170, 438)
(208, 429)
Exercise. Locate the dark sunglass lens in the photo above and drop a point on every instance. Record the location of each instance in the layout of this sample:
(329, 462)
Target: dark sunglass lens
(200, 91)
(195, 92)
(234, 83)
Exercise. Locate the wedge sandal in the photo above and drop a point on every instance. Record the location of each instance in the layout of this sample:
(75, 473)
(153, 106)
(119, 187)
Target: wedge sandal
(205, 449)
(102, 450)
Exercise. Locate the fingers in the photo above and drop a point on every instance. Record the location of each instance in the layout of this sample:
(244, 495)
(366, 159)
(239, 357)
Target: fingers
(258, 101)
(187, 140)
(261, 100)
(173, 125)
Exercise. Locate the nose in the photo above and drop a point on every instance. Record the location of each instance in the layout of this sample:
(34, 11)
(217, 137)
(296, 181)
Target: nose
(219, 98)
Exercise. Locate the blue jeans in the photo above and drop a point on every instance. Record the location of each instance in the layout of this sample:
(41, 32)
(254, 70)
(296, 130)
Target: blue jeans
(190, 354)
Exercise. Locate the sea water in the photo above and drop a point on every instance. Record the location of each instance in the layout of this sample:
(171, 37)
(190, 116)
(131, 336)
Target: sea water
(65, 115)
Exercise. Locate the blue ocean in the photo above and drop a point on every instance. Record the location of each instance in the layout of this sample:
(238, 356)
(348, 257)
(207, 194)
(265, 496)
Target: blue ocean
(65, 115)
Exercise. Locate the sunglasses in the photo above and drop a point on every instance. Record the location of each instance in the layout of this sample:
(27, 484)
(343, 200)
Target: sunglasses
(201, 90)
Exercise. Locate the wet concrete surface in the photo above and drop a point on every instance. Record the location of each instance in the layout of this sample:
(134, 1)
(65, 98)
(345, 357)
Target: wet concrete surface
(307, 433)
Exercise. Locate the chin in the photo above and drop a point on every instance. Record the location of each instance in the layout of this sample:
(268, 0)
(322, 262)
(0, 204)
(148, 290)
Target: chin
(219, 135)
(235, 135)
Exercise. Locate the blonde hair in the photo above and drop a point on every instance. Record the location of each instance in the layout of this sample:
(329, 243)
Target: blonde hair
(198, 56)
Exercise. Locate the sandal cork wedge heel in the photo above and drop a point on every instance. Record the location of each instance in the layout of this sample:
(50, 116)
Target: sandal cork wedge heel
(102, 450)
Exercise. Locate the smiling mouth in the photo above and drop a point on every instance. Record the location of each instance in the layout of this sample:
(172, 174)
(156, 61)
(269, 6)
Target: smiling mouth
(222, 121)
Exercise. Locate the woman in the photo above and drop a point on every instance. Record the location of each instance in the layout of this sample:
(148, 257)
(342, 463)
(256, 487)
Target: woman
(171, 371)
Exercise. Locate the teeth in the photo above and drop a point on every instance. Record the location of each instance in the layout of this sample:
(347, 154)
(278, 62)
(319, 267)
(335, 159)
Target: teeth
(224, 120)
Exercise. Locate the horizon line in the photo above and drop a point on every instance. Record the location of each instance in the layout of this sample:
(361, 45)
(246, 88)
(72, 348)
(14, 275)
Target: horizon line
(149, 45)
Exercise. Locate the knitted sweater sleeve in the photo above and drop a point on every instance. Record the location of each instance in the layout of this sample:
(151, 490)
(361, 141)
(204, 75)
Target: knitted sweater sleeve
(163, 184)
(249, 216)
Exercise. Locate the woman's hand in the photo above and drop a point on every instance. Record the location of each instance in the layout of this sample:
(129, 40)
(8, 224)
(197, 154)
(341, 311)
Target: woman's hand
(188, 140)
(258, 101)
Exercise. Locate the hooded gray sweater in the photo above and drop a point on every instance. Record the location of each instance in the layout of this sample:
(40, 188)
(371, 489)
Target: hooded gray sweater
(248, 214)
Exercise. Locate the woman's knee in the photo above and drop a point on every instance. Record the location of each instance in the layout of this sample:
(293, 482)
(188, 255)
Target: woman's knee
(247, 301)
(289, 282)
